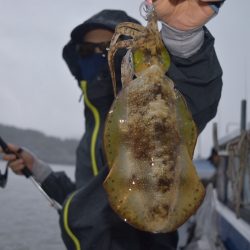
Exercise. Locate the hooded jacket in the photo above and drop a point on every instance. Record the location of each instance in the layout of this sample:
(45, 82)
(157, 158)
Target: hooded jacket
(87, 221)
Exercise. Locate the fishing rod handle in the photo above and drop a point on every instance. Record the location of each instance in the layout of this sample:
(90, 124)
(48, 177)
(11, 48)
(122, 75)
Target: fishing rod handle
(25, 171)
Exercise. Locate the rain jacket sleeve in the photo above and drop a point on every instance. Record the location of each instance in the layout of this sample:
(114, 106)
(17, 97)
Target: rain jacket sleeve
(58, 186)
(199, 79)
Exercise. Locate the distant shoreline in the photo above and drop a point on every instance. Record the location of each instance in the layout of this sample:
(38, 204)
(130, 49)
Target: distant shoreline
(50, 149)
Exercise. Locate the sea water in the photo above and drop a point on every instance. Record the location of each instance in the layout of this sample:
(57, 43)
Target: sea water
(27, 221)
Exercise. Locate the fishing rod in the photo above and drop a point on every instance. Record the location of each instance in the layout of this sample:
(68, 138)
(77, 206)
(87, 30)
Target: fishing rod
(28, 174)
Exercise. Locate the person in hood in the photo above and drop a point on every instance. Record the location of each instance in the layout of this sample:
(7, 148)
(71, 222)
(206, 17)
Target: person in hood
(87, 221)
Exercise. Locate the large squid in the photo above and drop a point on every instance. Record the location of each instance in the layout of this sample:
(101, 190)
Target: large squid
(149, 136)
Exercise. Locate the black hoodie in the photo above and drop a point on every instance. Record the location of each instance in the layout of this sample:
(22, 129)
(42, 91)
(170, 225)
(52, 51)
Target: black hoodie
(87, 221)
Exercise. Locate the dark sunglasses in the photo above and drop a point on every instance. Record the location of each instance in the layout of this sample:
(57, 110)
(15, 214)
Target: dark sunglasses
(88, 48)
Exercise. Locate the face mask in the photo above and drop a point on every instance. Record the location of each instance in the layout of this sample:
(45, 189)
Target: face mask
(93, 66)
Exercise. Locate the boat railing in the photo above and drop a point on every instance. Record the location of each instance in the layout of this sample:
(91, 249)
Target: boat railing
(233, 175)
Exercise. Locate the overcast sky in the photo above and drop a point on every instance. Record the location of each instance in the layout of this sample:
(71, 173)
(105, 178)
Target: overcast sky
(37, 91)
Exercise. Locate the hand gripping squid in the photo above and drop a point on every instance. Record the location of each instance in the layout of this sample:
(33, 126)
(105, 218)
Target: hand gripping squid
(149, 137)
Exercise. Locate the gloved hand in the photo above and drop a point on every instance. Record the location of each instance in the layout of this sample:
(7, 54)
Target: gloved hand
(184, 14)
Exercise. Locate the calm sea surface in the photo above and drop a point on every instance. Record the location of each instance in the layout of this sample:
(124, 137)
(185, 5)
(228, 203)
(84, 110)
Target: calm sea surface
(27, 222)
